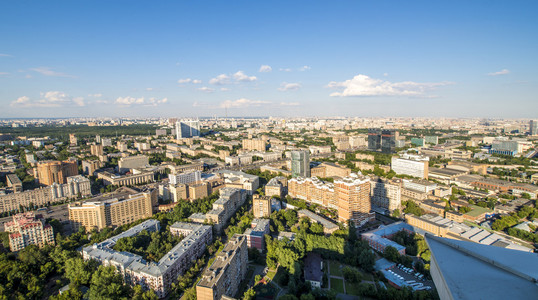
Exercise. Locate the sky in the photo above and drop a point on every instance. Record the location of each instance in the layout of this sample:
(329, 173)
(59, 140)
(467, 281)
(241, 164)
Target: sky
(269, 58)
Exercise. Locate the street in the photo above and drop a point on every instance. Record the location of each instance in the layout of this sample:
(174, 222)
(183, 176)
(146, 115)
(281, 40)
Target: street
(59, 212)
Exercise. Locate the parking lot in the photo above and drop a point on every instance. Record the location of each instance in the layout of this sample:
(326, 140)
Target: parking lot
(410, 279)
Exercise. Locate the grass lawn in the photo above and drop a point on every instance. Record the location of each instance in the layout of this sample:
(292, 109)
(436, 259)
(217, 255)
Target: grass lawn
(335, 268)
(337, 285)
(271, 274)
(352, 288)
(366, 276)
(277, 277)
(266, 290)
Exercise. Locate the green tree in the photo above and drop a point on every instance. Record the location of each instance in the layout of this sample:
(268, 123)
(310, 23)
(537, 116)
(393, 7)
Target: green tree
(78, 271)
(107, 284)
(249, 294)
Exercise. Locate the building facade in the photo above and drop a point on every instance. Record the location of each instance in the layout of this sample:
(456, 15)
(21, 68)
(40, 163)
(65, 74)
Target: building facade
(187, 129)
(132, 162)
(300, 164)
(225, 274)
(261, 206)
(49, 172)
(112, 212)
(160, 275)
(28, 229)
(353, 194)
(412, 165)
(254, 145)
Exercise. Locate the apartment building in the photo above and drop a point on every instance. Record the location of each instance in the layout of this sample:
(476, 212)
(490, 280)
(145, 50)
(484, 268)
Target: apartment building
(254, 145)
(224, 208)
(225, 274)
(277, 186)
(112, 212)
(75, 186)
(160, 275)
(256, 233)
(185, 178)
(28, 229)
(261, 206)
(96, 150)
(386, 193)
(353, 194)
(90, 166)
(122, 180)
(313, 190)
(238, 179)
(412, 165)
(326, 169)
(132, 162)
(49, 172)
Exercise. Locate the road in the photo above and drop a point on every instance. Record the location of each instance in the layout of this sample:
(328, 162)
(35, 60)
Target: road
(59, 212)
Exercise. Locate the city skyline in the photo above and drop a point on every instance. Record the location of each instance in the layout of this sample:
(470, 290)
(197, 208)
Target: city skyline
(170, 59)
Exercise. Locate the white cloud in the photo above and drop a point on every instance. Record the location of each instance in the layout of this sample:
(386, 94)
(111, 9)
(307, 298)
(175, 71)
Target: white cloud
(285, 69)
(305, 68)
(224, 89)
(184, 80)
(48, 72)
(385, 74)
(28, 76)
(149, 89)
(4, 73)
(95, 95)
(242, 103)
(220, 80)
(265, 69)
(206, 89)
(154, 102)
(128, 101)
(238, 76)
(189, 80)
(50, 99)
(5, 55)
(363, 85)
(501, 72)
(22, 101)
(242, 77)
(289, 104)
(79, 101)
(285, 86)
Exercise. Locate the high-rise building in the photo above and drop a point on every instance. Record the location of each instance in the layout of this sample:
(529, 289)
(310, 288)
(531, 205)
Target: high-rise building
(73, 139)
(96, 150)
(28, 229)
(533, 124)
(113, 212)
(261, 206)
(185, 178)
(300, 163)
(225, 274)
(412, 165)
(132, 162)
(353, 194)
(374, 139)
(187, 129)
(49, 172)
(254, 144)
(386, 193)
(382, 139)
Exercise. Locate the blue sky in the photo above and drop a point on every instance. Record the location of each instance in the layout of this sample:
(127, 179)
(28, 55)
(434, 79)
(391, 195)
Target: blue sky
(271, 58)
